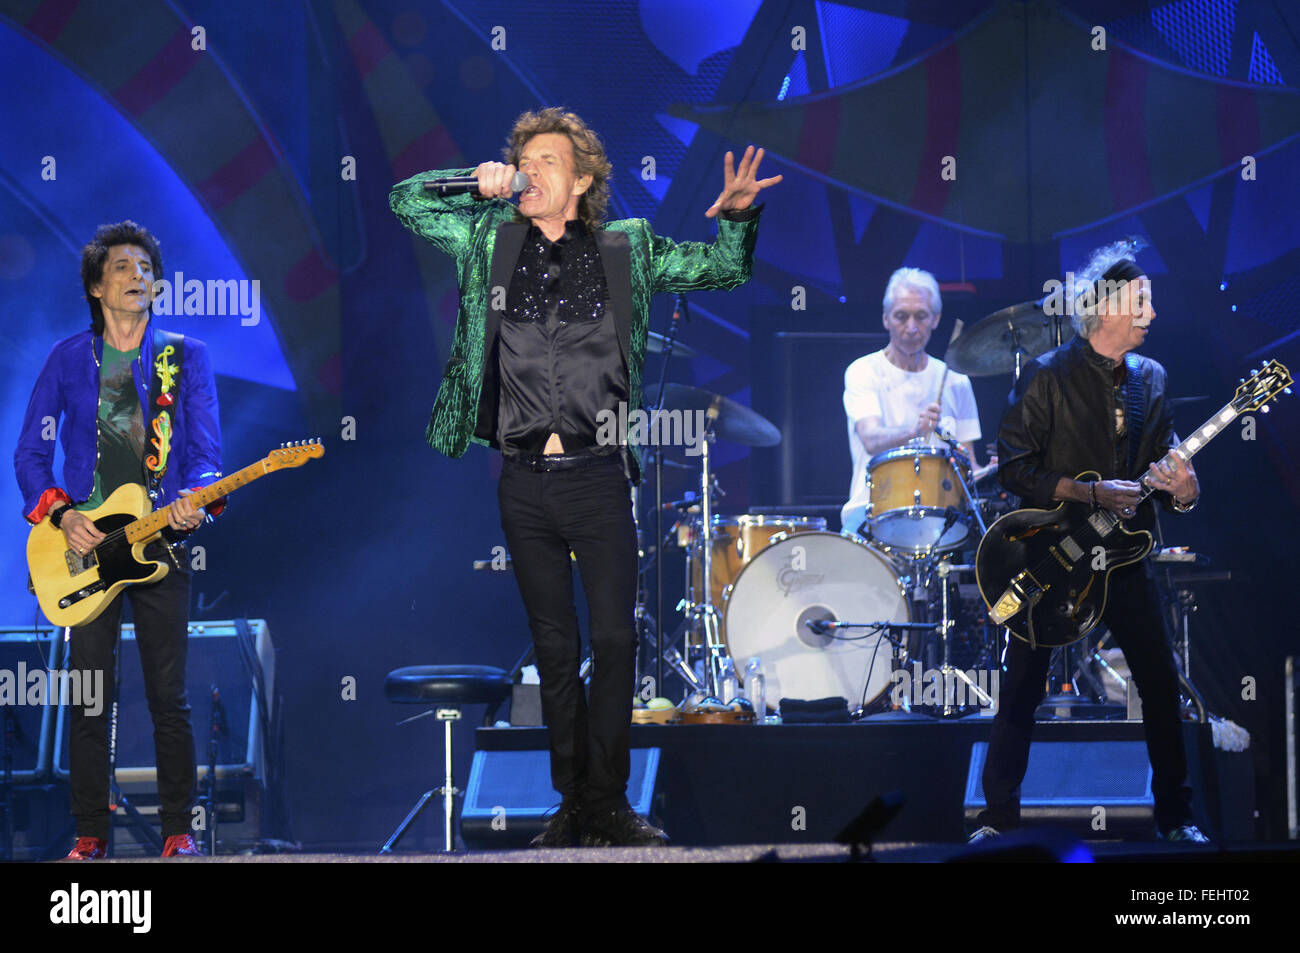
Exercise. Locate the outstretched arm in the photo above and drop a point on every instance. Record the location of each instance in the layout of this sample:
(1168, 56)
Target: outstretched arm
(729, 261)
(446, 220)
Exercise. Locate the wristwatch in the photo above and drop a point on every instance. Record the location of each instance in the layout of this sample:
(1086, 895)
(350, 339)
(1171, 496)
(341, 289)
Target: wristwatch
(56, 517)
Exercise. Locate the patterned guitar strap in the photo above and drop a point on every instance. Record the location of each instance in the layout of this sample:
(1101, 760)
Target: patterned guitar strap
(164, 393)
(1134, 407)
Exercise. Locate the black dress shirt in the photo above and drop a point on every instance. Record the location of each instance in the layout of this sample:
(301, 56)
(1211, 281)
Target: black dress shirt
(559, 359)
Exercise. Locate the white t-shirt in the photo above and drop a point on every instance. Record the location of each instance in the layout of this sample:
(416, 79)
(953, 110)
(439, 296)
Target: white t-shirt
(873, 387)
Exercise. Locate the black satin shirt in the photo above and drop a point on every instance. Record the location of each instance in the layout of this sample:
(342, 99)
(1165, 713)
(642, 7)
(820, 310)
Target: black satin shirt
(1061, 421)
(559, 359)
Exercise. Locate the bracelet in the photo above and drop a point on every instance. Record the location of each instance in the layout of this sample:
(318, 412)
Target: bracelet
(1092, 491)
(1183, 507)
(56, 518)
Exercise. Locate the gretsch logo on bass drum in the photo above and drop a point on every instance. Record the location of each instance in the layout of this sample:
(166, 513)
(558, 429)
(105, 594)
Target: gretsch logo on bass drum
(790, 579)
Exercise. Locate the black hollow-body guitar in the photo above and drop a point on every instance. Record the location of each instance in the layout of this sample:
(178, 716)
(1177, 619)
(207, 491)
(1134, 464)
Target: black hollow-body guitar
(1044, 573)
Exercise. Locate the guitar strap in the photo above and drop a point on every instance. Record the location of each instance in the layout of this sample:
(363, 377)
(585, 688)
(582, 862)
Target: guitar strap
(1134, 408)
(164, 392)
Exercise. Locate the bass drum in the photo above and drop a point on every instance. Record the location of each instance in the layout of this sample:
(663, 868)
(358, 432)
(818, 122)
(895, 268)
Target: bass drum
(806, 577)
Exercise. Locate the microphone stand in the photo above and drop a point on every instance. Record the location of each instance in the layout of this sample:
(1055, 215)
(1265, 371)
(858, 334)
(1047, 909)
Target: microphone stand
(680, 312)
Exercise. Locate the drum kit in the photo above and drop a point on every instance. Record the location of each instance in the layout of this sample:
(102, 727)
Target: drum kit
(853, 613)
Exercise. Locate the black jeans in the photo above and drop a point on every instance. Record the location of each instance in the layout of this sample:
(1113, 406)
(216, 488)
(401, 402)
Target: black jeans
(1134, 618)
(587, 511)
(160, 611)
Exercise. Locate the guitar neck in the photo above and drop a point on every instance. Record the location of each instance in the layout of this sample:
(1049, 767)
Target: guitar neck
(1207, 431)
(1200, 437)
(148, 526)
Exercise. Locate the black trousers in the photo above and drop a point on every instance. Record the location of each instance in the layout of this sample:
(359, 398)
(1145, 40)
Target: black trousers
(1134, 618)
(161, 613)
(587, 511)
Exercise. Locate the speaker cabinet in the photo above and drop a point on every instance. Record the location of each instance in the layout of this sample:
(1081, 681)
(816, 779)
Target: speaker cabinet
(1095, 790)
(217, 658)
(509, 795)
(27, 655)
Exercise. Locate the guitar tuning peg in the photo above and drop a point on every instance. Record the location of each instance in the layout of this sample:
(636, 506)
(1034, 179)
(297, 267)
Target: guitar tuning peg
(1286, 390)
(1266, 408)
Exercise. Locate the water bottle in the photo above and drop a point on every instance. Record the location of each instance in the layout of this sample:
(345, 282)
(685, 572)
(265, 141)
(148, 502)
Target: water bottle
(754, 685)
(729, 687)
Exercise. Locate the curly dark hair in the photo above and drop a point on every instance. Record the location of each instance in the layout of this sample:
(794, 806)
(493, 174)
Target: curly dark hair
(95, 254)
(588, 154)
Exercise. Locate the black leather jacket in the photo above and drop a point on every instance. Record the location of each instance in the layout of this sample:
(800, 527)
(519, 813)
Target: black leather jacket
(1060, 421)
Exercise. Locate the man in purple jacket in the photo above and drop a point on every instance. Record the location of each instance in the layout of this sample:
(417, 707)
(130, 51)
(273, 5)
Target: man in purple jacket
(95, 393)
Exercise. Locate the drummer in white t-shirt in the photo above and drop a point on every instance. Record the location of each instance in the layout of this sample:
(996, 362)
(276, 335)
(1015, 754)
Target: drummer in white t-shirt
(891, 397)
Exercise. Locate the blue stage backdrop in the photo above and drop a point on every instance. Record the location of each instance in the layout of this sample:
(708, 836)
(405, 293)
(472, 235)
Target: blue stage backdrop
(258, 141)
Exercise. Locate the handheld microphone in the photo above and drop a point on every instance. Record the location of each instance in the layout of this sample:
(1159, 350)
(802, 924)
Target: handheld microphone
(460, 184)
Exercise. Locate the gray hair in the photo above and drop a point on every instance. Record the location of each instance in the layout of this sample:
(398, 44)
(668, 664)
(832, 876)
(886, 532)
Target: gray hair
(1086, 291)
(917, 280)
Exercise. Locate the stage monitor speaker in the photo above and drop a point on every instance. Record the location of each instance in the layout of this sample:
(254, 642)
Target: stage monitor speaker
(27, 656)
(1095, 790)
(216, 657)
(509, 795)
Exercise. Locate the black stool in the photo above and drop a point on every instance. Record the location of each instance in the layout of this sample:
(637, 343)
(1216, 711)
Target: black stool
(449, 688)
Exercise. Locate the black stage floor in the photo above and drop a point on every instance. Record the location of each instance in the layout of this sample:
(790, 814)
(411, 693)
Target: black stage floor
(888, 852)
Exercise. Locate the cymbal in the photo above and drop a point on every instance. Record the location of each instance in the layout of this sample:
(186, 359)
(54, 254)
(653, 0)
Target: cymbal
(989, 346)
(734, 421)
(655, 342)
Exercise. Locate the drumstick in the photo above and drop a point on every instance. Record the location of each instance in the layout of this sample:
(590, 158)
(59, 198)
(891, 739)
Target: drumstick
(956, 332)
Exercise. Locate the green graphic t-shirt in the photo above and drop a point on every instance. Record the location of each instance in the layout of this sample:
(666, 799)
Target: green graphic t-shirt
(121, 427)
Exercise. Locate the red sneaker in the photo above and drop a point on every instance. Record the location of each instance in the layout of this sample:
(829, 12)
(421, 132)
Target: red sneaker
(88, 848)
(181, 845)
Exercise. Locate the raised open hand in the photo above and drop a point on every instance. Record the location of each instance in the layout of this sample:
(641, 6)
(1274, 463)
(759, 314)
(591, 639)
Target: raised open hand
(740, 185)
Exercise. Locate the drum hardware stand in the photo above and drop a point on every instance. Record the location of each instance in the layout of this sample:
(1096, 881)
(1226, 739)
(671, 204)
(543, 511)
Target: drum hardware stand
(705, 612)
(678, 665)
(644, 622)
(947, 669)
(680, 313)
(1182, 603)
(966, 487)
(216, 729)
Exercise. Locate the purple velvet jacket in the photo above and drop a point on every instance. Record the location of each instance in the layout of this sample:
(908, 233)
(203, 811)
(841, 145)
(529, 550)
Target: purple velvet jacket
(67, 391)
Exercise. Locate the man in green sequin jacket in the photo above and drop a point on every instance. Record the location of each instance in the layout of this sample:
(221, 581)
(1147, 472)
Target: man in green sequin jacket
(551, 336)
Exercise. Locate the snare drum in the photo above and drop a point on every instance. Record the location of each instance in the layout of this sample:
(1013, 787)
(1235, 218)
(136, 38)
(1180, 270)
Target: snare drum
(816, 576)
(912, 489)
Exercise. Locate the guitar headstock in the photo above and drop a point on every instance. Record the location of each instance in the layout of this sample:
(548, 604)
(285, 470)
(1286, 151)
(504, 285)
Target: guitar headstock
(1254, 392)
(294, 454)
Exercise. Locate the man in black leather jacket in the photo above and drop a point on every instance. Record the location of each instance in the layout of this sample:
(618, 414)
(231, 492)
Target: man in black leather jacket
(1068, 415)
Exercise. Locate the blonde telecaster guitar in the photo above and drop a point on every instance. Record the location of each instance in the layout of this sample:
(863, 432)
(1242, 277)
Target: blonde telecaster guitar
(73, 590)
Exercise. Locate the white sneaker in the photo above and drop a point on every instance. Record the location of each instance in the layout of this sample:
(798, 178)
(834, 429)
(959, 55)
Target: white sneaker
(983, 834)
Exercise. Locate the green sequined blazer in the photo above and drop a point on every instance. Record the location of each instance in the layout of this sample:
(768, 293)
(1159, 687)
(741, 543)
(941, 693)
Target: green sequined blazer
(485, 240)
